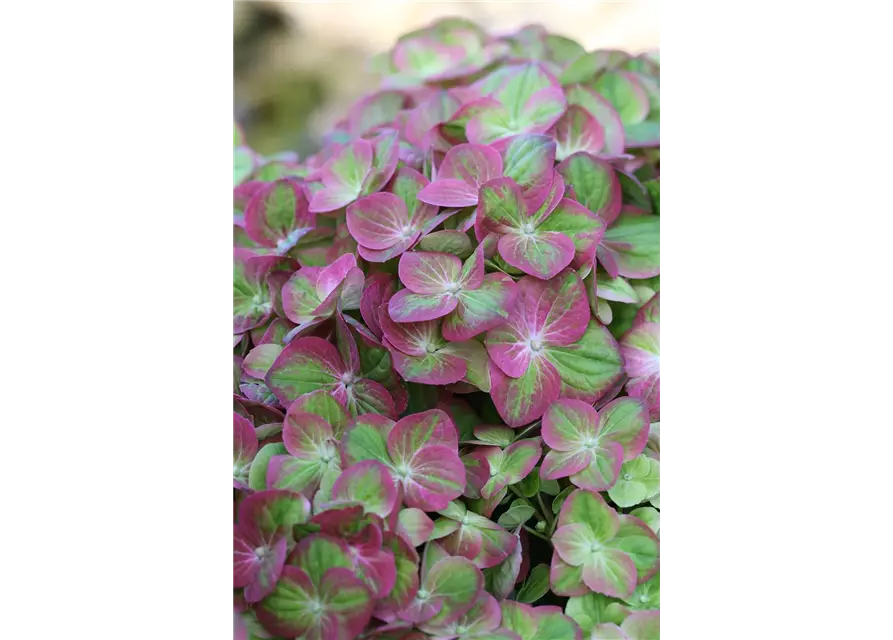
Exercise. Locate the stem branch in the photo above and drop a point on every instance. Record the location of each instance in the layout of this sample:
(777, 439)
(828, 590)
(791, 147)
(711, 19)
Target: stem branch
(547, 512)
(536, 533)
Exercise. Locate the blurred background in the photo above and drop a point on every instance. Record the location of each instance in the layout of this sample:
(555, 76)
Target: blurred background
(299, 66)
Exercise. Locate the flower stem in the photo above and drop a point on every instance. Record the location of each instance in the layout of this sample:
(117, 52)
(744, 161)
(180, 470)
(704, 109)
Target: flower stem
(547, 512)
(527, 430)
(536, 533)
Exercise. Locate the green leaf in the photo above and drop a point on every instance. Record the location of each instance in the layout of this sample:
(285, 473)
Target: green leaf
(496, 435)
(375, 364)
(522, 85)
(278, 512)
(627, 96)
(442, 528)
(615, 289)
(566, 579)
(557, 626)
(530, 485)
(498, 264)
(624, 420)
(375, 361)
(560, 498)
(257, 473)
(642, 625)
(647, 595)
(603, 312)
(273, 170)
(255, 629)
(448, 241)
(251, 299)
(528, 157)
(482, 506)
(237, 375)
(457, 580)
(573, 222)
(594, 182)
(562, 49)
(623, 316)
(365, 442)
(297, 474)
(295, 373)
(324, 493)
(322, 404)
(407, 580)
(319, 553)
(518, 456)
(454, 511)
(590, 366)
(289, 604)
(593, 609)
(639, 480)
(643, 294)
(536, 585)
(519, 618)
(384, 161)
(351, 165)
(500, 580)
(475, 355)
(653, 187)
(643, 133)
(502, 205)
(634, 241)
(475, 305)
(610, 571)
(637, 541)
(634, 192)
(516, 515)
(243, 165)
(588, 508)
(582, 69)
(549, 487)
(511, 465)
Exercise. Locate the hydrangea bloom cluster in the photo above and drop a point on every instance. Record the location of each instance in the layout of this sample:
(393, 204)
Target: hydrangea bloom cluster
(446, 337)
